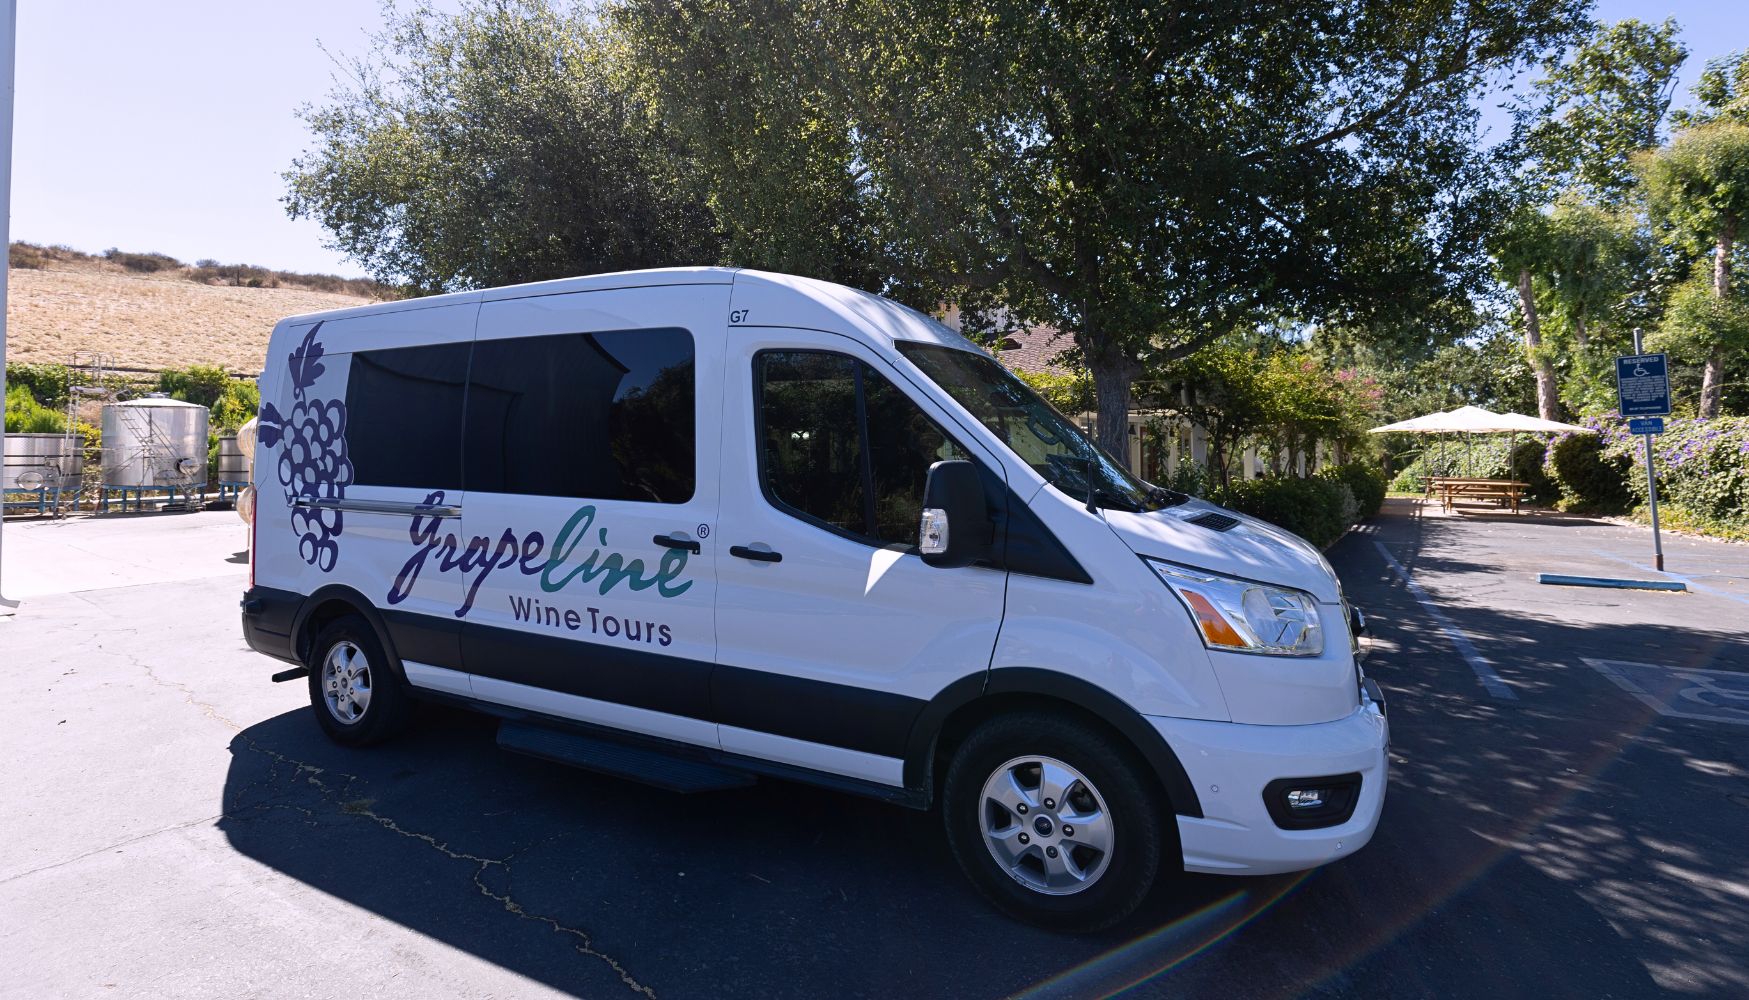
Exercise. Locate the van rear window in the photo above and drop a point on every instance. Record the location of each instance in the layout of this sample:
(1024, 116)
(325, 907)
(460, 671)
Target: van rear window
(604, 416)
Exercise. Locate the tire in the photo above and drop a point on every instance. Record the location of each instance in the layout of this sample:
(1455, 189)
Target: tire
(362, 699)
(1078, 888)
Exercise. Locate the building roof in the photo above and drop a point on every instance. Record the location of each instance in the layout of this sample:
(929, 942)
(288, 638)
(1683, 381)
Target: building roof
(1035, 349)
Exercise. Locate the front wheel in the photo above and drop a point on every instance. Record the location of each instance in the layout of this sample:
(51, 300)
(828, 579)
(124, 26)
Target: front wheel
(354, 692)
(1054, 821)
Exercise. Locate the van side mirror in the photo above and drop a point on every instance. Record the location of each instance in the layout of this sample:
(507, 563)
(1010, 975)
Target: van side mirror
(955, 529)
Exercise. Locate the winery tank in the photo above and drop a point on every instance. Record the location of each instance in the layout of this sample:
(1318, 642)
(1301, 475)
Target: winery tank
(36, 461)
(155, 442)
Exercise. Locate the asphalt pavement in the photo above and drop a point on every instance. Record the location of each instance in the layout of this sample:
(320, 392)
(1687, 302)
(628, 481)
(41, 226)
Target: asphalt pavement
(1568, 813)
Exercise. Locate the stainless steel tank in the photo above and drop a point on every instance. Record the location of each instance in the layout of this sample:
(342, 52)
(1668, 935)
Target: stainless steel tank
(33, 461)
(233, 467)
(154, 442)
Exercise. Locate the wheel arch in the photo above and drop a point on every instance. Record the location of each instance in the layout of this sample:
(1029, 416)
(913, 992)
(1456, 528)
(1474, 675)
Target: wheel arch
(962, 705)
(333, 602)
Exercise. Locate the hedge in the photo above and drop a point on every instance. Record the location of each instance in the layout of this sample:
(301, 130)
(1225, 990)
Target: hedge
(1318, 510)
(1703, 471)
(1364, 481)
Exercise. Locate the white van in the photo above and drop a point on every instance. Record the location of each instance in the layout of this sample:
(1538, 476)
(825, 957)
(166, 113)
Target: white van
(693, 526)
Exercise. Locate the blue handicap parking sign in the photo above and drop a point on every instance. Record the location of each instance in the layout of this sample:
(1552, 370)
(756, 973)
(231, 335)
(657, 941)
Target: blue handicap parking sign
(1642, 385)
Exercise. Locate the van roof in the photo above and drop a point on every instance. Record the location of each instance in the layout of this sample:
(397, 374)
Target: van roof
(759, 295)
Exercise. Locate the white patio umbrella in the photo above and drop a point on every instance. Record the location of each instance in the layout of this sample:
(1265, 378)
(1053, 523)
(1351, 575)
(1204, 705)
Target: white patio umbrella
(1477, 420)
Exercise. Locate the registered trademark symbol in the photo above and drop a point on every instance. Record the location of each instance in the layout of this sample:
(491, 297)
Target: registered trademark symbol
(704, 531)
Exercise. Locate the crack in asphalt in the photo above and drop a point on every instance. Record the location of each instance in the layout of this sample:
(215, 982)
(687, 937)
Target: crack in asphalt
(337, 797)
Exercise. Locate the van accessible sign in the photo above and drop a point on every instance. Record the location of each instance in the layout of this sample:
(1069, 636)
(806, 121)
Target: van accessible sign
(1642, 385)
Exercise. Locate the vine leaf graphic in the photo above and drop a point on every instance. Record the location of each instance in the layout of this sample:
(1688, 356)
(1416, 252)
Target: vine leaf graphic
(306, 363)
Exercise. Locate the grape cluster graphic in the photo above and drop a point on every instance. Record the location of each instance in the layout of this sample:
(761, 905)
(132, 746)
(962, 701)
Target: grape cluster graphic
(313, 464)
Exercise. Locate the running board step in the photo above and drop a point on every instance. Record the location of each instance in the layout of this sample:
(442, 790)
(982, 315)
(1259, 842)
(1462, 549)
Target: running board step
(651, 767)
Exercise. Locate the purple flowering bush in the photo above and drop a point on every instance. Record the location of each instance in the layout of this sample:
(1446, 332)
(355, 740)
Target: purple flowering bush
(1703, 470)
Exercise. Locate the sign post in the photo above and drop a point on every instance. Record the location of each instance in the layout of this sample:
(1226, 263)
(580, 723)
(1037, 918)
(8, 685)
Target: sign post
(8, 52)
(1642, 388)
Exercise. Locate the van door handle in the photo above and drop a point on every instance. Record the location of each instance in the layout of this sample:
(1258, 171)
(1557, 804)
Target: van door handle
(757, 555)
(670, 542)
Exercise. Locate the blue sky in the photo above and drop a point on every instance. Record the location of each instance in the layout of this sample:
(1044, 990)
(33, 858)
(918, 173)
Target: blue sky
(165, 126)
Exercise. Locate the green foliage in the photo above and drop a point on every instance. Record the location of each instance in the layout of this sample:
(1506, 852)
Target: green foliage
(1364, 481)
(1283, 396)
(503, 142)
(1070, 392)
(1146, 178)
(1595, 110)
(1590, 480)
(1699, 184)
(24, 415)
(1697, 321)
(1311, 508)
(48, 383)
(1528, 463)
(237, 405)
(1723, 93)
(1703, 471)
(202, 384)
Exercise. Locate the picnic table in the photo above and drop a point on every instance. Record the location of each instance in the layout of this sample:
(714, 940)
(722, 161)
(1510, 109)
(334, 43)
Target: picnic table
(1453, 488)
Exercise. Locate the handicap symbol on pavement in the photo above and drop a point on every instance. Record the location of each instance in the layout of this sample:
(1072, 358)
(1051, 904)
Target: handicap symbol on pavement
(1682, 692)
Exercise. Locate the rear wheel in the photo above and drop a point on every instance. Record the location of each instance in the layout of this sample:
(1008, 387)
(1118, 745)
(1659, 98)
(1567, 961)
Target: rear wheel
(358, 699)
(1054, 821)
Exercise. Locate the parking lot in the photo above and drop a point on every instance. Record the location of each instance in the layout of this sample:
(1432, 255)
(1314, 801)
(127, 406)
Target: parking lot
(1567, 814)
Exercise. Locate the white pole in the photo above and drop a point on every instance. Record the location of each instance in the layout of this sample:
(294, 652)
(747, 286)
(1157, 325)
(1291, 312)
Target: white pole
(1651, 484)
(8, 52)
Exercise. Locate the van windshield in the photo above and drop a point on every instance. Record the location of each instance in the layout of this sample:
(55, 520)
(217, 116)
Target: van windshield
(1034, 430)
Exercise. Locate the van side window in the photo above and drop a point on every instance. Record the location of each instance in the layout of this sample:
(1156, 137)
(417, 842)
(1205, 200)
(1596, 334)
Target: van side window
(843, 447)
(404, 416)
(600, 416)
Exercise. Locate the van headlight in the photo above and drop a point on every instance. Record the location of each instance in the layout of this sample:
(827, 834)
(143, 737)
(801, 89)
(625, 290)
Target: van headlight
(1244, 616)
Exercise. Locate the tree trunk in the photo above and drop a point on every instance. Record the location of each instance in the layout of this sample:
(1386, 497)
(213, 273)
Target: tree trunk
(1579, 332)
(1112, 378)
(1712, 381)
(1548, 397)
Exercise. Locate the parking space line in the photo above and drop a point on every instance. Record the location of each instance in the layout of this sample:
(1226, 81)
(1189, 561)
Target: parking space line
(1479, 664)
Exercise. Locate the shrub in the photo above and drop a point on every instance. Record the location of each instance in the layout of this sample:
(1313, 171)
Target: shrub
(1529, 463)
(145, 263)
(202, 384)
(1590, 481)
(1310, 508)
(1364, 482)
(1703, 471)
(27, 256)
(48, 383)
(237, 403)
(24, 415)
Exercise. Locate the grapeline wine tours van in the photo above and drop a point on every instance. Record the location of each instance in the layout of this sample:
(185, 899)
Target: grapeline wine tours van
(694, 526)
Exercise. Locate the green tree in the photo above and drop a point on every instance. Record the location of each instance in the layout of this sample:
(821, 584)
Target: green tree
(497, 144)
(1698, 194)
(1146, 178)
(1579, 131)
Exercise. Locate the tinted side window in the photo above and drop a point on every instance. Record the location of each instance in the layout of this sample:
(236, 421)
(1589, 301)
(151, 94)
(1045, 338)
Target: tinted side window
(604, 416)
(404, 416)
(843, 446)
(902, 444)
(811, 445)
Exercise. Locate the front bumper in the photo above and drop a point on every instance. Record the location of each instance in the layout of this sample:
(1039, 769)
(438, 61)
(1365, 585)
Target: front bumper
(1230, 764)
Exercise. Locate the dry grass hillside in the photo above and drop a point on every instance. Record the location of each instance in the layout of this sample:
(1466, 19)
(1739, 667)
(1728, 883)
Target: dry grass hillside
(65, 302)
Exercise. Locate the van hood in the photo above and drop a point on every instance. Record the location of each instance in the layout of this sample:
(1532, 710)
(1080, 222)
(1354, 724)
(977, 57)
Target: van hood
(1250, 549)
